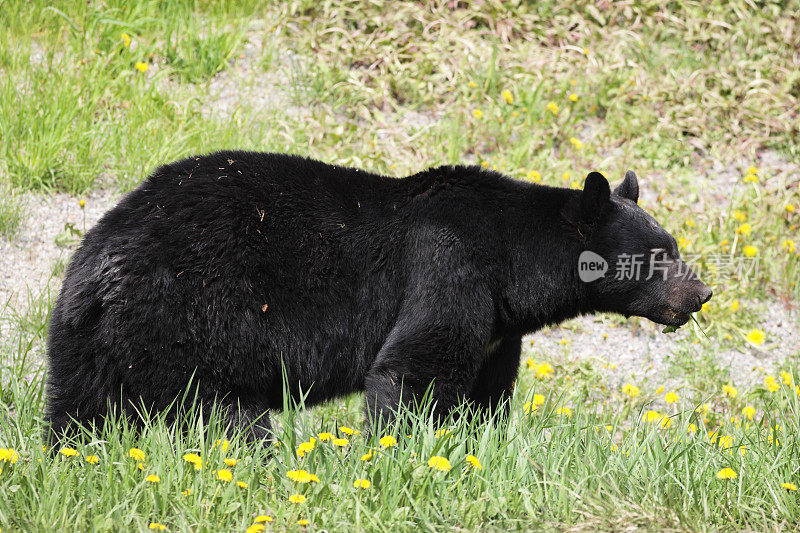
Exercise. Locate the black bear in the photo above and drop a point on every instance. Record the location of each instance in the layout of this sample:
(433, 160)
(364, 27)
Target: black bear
(236, 270)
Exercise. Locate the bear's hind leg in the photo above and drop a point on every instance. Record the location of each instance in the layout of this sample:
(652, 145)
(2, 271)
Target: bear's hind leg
(251, 420)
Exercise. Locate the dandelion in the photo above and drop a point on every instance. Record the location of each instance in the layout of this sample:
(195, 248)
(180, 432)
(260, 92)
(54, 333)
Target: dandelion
(136, 454)
(771, 384)
(194, 459)
(262, 518)
(68, 452)
(303, 522)
(224, 475)
(387, 442)
(749, 412)
(9, 455)
(231, 462)
(341, 443)
(301, 476)
(553, 108)
(756, 336)
(241, 484)
(476, 464)
(152, 478)
(726, 473)
(789, 208)
(787, 378)
(671, 397)
(187, 492)
(141, 67)
(564, 177)
(477, 113)
(439, 463)
(81, 203)
(126, 40)
(92, 459)
(325, 437)
(303, 448)
(788, 245)
(739, 215)
(508, 97)
(725, 441)
(472, 84)
(789, 486)
(362, 484)
(564, 411)
(156, 525)
(256, 528)
(684, 242)
(534, 176)
(349, 431)
(691, 428)
(735, 305)
(729, 391)
(543, 371)
(744, 229)
(652, 416)
(297, 498)
(367, 456)
(660, 389)
(573, 97)
(223, 444)
(576, 143)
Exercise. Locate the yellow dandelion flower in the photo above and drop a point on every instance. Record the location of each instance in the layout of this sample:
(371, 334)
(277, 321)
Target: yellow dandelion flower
(534, 176)
(564, 411)
(92, 459)
(729, 391)
(789, 486)
(508, 97)
(194, 459)
(187, 492)
(652, 416)
(477, 113)
(725, 441)
(752, 170)
(126, 40)
(756, 336)
(726, 473)
(439, 463)
(576, 143)
(787, 378)
(152, 478)
(156, 525)
(744, 229)
(387, 442)
(303, 448)
(224, 475)
(367, 456)
(223, 444)
(553, 108)
(543, 371)
(256, 528)
(241, 484)
(231, 462)
(788, 245)
(472, 84)
(303, 522)
(671, 397)
(630, 390)
(660, 389)
(476, 464)
(749, 412)
(10, 455)
(789, 208)
(691, 428)
(750, 251)
(301, 476)
(771, 384)
(340, 442)
(573, 97)
(68, 452)
(297, 498)
(141, 67)
(325, 437)
(349, 431)
(735, 305)
(362, 484)
(136, 454)
(262, 518)
(564, 177)
(739, 215)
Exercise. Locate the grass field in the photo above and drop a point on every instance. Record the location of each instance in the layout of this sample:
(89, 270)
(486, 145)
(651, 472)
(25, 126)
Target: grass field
(701, 99)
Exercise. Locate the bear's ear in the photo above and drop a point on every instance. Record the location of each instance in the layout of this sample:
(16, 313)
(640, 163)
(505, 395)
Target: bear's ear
(629, 188)
(595, 197)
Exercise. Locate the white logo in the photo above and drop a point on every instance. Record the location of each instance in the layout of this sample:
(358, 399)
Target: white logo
(591, 266)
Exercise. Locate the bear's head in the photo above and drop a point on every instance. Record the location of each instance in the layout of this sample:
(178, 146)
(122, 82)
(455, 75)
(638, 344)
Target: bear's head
(629, 263)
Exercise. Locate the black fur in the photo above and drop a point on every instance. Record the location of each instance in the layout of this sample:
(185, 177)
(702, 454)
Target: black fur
(220, 270)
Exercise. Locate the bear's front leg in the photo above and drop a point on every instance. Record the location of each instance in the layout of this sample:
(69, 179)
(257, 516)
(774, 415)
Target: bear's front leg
(494, 385)
(441, 353)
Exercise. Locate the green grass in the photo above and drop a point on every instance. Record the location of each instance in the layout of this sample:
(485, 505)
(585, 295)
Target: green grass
(688, 94)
